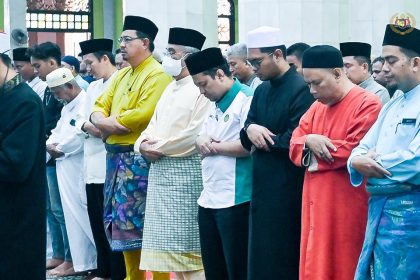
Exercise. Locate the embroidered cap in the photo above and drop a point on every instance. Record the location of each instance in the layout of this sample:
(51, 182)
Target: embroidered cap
(59, 77)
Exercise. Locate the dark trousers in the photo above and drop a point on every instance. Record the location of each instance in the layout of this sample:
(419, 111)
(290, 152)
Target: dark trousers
(109, 264)
(224, 241)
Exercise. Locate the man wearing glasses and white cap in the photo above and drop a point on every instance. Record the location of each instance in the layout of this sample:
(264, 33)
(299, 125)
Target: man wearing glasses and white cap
(275, 111)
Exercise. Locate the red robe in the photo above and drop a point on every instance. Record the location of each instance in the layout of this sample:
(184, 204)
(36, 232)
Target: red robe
(334, 213)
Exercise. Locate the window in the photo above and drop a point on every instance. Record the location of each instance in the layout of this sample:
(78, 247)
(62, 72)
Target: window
(59, 15)
(226, 23)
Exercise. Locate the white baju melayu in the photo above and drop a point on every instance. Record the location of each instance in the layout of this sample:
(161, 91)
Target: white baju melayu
(94, 148)
(72, 186)
(38, 86)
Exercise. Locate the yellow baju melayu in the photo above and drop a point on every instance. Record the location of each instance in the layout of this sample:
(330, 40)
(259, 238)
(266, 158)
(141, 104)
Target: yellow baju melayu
(132, 98)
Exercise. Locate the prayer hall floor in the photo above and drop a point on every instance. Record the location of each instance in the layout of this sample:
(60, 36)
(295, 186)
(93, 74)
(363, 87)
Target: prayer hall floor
(148, 277)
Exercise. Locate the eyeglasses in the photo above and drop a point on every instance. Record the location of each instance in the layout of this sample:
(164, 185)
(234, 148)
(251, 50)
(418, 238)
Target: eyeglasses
(257, 61)
(127, 39)
(172, 54)
(169, 53)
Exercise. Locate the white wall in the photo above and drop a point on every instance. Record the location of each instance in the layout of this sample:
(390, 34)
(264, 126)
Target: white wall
(324, 21)
(200, 15)
(16, 10)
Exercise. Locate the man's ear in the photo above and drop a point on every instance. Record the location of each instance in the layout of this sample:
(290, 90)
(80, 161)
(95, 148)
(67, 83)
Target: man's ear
(415, 64)
(52, 62)
(278, 53)
(338, 73)
(365, 66)
(146, 43)
(220, 74)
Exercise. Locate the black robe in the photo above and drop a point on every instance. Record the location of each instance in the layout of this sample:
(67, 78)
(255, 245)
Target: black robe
(22, 185)
(52, 108)
(277, 183)
(52, 111)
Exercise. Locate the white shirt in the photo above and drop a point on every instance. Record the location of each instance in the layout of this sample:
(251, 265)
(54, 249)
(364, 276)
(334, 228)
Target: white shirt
(255, 83)
(94, 149)
(65, 134)
(38, 86)
(177, 119)
(227, 180)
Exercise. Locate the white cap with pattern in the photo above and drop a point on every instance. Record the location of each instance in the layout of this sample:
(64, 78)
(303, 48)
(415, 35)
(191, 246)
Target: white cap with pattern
(59, 77)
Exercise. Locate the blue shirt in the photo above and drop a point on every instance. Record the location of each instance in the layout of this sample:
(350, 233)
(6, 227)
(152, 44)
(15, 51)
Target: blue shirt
(81, 82)
(395, 138)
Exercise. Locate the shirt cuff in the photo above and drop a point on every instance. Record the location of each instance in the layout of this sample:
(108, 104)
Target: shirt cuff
(356, 179)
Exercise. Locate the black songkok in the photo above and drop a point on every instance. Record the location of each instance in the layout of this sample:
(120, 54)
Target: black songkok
(322, 56)
(407, 38)
(355, 49)
(19, 54)
(186, 37)
(141, 24)
(96, 45)
(204, 60)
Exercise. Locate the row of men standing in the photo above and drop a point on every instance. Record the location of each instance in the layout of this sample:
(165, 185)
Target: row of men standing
(322, 142)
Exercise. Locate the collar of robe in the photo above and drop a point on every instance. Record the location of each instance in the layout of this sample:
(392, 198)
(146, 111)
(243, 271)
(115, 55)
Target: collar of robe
(277, 81)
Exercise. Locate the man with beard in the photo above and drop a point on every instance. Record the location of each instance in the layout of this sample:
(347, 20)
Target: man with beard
(275, 111)
(389, 157)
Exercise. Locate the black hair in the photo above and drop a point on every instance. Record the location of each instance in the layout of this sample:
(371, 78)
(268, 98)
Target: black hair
(110, 55)
(273, 49)
(144, 35)
(117, 51)
(409, 53)
(297, 50)
(212, 71)
(6, 60)
(379, 59)
(46, 51)
(363, 59)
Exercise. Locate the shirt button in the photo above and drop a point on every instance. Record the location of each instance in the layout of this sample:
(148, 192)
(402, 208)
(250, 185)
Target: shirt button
(311, 228)
(311, 203)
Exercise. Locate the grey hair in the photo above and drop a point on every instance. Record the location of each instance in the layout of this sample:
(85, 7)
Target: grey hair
(72, 82)
(187, 49)
(237, 50)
